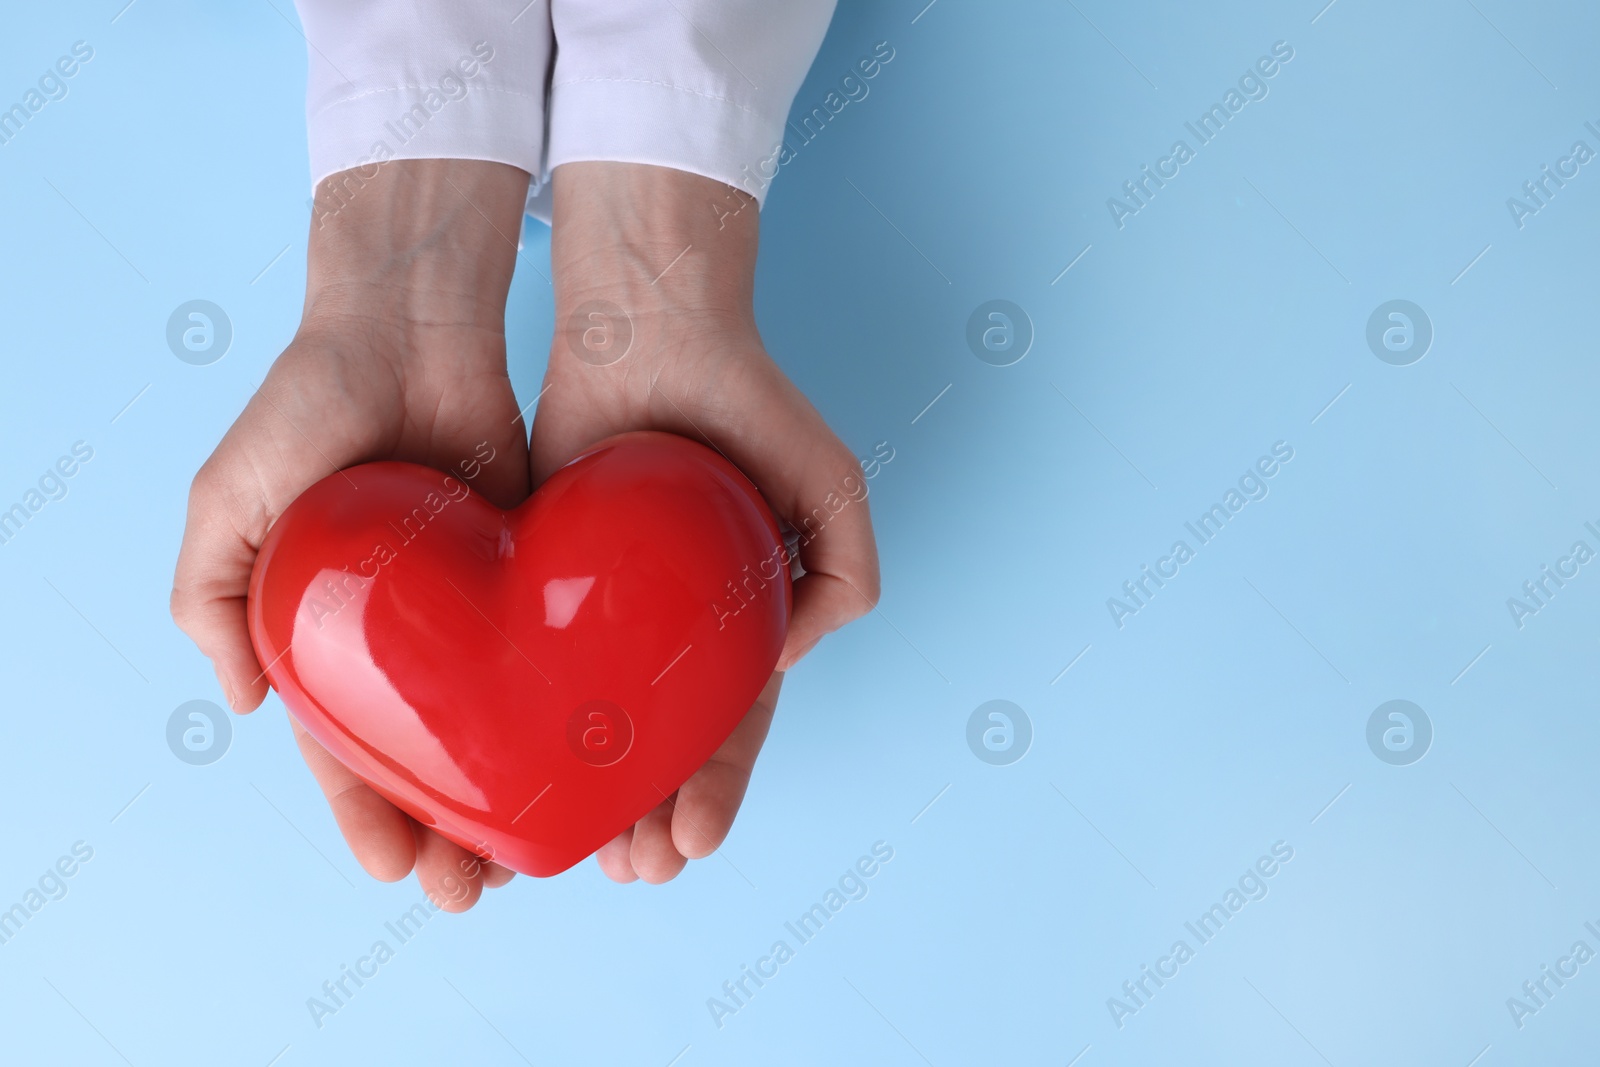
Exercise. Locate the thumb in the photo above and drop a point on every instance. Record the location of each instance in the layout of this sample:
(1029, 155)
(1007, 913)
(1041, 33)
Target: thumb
(212, 579)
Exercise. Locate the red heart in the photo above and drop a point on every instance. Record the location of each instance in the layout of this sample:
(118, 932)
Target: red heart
(528, 683)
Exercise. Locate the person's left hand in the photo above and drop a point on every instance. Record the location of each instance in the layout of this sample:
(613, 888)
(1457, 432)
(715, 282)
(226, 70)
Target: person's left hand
(675, 254)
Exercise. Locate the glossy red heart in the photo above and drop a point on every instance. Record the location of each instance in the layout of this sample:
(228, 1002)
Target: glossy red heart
(531, 682)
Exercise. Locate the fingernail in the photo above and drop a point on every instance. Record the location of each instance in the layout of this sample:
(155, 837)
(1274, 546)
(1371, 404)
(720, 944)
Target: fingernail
(227, 693)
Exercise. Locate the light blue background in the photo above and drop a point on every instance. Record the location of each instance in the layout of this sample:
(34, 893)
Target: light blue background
(1222, 718)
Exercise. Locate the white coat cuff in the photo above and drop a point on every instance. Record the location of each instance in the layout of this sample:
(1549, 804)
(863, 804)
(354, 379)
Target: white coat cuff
(486, 123)
(641, 121)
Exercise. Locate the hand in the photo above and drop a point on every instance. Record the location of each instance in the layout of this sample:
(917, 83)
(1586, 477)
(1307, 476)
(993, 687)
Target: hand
(675, 252)
(400, 355)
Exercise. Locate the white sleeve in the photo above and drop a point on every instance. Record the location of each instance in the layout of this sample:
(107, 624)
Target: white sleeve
(426, 79)
(698, 85)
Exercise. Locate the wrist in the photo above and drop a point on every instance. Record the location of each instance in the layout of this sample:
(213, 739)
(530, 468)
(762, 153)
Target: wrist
(429, 241)
(652, 239)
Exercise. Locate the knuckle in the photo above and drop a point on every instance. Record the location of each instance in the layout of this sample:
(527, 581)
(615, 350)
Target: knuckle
(181, 604)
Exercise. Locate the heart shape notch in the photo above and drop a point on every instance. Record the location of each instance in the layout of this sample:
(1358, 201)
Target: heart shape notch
(528, 683)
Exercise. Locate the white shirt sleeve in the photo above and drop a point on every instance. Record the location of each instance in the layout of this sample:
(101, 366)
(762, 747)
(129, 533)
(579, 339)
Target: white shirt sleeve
(426, 79)
(698, 85)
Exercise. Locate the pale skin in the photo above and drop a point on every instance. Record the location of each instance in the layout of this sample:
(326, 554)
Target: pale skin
(401, 354)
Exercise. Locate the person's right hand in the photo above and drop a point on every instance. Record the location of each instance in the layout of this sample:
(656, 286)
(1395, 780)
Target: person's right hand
(400, 355)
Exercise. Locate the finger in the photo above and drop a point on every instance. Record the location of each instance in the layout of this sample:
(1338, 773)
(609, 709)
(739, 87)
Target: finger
(613, 858)
(209, 587)
(837, 550)
(708, 801)
(450, 875)
(815, 484)
(378, 833)
(495, 876)
(491, 874)
(653, 855)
